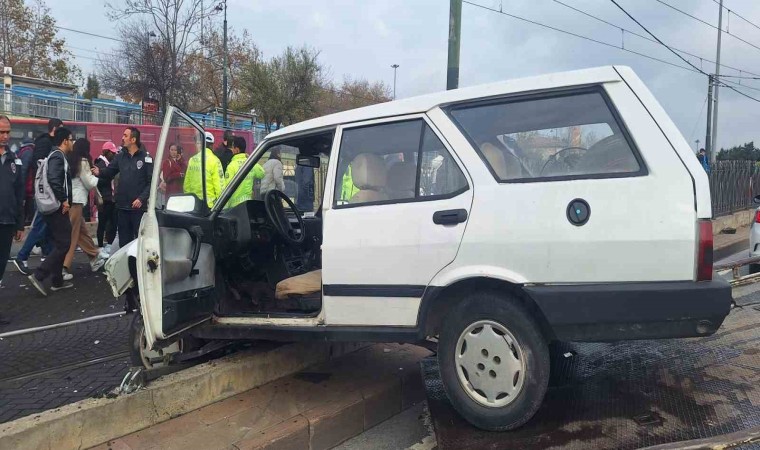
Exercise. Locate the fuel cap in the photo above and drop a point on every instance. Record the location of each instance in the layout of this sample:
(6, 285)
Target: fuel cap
(578, 212)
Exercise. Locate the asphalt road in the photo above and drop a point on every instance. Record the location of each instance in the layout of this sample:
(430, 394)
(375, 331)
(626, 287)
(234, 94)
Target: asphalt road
(47, 369)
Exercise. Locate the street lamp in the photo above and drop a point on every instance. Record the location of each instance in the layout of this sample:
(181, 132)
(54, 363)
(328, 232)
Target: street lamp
(697, 141)
(223, 6)
(395, 66)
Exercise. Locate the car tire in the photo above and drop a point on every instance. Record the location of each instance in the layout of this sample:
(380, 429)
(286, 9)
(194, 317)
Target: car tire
(139, 354)
(487, 395)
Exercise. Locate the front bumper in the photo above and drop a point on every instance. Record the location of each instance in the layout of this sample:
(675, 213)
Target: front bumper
(623, 311)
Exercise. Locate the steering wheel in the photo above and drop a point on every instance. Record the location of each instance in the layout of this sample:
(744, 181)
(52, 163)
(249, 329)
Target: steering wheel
(555, 157)
(279, 219)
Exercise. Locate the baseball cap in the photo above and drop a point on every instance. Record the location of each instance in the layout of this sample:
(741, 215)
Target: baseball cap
(209, 138)
(108, 145)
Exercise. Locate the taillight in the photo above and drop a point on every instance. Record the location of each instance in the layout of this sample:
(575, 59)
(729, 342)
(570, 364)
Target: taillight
(705, 254)
(757, 216)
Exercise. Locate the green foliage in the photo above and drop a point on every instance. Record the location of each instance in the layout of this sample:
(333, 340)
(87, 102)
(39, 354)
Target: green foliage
(93, 87)
(746, 152)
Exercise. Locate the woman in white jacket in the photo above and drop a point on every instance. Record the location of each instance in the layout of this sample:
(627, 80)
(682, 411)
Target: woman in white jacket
(82, 182)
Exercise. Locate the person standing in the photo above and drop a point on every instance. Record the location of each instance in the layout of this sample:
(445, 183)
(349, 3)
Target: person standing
(224, 151)
(57, 222)
(38, 234)
(82, 182)
(273, 173)
(244, 191)
(704, 160)
(107, 209)
(193, 183)
(305, 193)
(11, 198)
(135, 168)
(173, 172)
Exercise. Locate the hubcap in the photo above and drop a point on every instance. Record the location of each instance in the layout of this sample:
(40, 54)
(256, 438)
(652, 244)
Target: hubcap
(490, 363)
(156, 358)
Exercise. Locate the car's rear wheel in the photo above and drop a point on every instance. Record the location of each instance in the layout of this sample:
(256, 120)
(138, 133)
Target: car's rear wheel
(494, 361)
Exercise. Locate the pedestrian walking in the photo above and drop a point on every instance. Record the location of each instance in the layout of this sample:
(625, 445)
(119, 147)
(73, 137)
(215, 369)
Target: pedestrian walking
(135, 168)
(58, 223)
(11, 198)
(38, 234)
(107, 209)
(173, 172)
(224, 151)
(193, 183)
(273, 173)
(26, 155)
(82, 182)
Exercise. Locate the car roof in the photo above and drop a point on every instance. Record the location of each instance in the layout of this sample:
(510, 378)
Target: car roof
(423, 103)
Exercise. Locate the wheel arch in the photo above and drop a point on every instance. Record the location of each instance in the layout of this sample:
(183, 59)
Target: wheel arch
(437, 301)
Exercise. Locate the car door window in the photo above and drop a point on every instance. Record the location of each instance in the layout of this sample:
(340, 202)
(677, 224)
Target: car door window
(394, 162)
(567, 136)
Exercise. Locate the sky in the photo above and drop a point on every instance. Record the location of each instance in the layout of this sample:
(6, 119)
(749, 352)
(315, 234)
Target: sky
(363, 38)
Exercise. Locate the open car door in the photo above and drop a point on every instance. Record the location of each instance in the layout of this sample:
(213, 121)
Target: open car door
(175, 257)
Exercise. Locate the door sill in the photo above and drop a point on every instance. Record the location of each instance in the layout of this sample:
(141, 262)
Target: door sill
(270, 315)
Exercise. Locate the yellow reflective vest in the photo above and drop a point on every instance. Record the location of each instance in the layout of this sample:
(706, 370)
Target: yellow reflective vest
(348, 189)
(214, 177)
(244, 191)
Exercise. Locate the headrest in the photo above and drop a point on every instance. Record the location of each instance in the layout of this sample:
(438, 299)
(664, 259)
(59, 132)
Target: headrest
(401, 176)
(368, 171)
(495, 158)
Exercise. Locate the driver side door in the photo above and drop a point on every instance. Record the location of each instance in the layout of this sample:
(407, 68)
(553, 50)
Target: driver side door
(175, 253)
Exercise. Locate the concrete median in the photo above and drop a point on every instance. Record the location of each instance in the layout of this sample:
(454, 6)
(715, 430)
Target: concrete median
(93, 421)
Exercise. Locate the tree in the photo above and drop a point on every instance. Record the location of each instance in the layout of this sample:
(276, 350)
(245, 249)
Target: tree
(166, 74)
(208, 68)
(746, 152)
(92, 89)
(284, 89)
(28, 43)
(351, 94)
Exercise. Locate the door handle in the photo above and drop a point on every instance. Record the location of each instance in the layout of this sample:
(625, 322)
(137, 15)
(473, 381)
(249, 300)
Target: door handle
(450, 217)
(196, 234)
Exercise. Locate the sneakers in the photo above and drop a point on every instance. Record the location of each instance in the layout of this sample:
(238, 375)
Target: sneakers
(37, 284)
(22, 266)
(64, 285)
(97, 263)
(36, 250)
(67, 276)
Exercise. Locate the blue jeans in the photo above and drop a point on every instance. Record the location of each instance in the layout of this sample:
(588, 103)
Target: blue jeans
(36, 235)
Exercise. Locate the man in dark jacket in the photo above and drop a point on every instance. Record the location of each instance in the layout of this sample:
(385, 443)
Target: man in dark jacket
(59, 226)
(11, 197)
(38, 234)
(135, 168)
(224, 151)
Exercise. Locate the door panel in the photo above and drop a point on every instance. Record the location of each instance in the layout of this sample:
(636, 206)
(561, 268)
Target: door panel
(175, 257)
(381, 245)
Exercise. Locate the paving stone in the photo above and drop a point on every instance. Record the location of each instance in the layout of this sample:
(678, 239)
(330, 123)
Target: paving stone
(292, 434)
(334, 422)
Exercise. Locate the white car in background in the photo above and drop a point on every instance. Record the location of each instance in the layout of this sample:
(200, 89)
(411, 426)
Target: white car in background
(495, 218)
(754, 238)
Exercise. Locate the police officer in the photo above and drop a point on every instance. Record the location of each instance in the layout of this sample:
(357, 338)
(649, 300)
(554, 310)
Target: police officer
(245, 189)
(193, 183)
(11, 198)
(135, 168)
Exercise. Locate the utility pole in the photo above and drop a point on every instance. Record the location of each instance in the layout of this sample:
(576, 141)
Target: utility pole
(716, 81)
(455, 34)
(224, 76)
(697, 149)
(708, 137)
(395, 66)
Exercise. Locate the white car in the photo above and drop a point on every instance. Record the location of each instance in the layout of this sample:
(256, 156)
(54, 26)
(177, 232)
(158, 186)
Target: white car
(754, 238)
(494, 218)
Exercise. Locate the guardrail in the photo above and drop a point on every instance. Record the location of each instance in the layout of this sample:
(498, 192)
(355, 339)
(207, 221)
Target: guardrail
(733, 184)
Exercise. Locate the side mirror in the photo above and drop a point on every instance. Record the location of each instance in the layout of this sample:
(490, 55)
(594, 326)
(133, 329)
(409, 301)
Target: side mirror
(184, 204)
(756, 199)
(308, 161)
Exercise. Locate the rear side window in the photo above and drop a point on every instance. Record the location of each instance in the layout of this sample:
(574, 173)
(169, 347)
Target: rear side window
(395, 162)
(566, 136)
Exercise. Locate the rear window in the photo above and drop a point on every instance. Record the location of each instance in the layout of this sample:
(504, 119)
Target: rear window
(562, 137)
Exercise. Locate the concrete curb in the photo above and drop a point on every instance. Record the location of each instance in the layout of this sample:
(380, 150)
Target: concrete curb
(92, 421)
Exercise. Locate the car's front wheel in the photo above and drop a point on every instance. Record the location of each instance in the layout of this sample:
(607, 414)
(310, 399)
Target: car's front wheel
(494, 361)
(139, 352)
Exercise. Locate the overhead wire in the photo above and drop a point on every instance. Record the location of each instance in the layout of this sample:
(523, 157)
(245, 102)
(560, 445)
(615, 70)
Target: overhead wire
(699, 117)
(731, 11)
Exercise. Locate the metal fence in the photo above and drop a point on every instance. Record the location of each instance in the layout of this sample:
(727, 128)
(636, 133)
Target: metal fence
(733, 184)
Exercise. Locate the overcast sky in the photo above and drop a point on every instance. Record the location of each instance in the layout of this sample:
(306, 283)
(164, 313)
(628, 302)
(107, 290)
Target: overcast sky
(363, 38)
